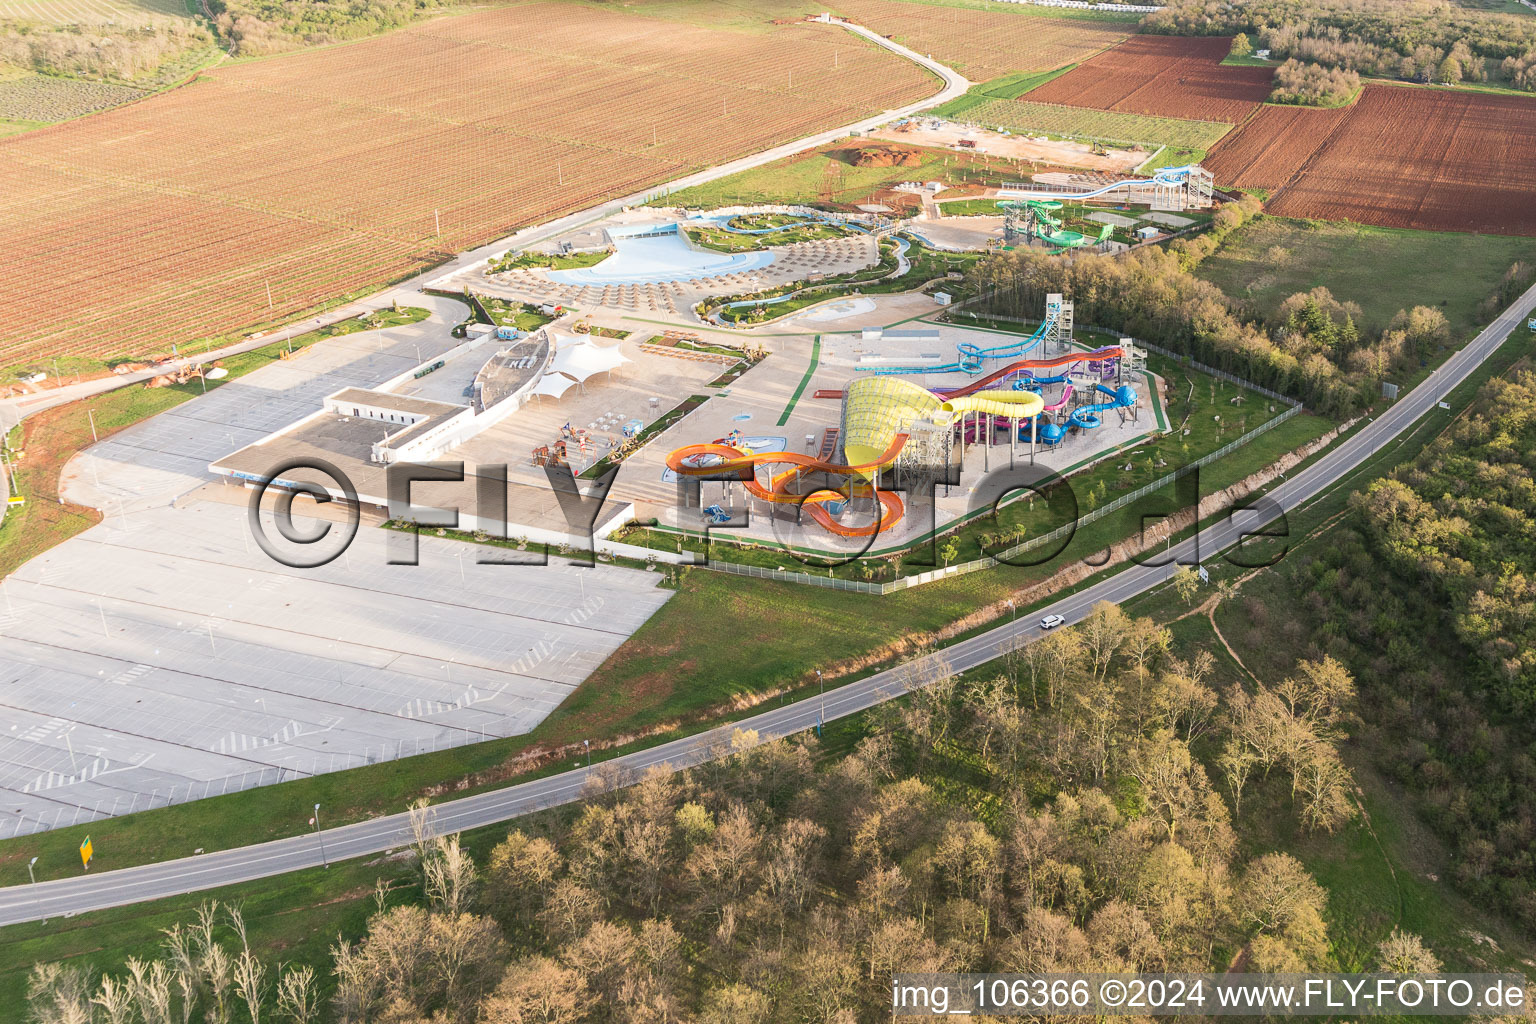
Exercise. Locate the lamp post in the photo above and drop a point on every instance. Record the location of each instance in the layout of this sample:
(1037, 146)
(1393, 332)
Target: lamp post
(588, 745)
(823, 686)
(323, 858)
(33, 875)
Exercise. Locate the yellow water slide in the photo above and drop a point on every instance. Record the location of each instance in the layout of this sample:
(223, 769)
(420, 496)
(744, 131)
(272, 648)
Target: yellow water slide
(878, 408)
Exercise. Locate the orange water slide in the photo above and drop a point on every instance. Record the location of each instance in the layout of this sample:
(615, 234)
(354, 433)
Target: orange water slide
(744, 465)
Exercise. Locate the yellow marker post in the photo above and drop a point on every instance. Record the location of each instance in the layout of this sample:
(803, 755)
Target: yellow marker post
(85, 853)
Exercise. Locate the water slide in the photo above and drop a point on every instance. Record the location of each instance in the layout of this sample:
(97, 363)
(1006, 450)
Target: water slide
(1164, 176)
(869, 445)
(1023, 366)
(718, 460)
(1086, 416)
(1074, 239)
(1099, 355)
(971, 356)
(1049, 432)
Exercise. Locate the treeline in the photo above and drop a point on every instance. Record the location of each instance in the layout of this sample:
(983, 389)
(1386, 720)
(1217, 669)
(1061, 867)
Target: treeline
(1462, 520)
(1391, 594)
(1313, 85)
(106, 52)
(271, 26)
(1314, 349)
(1058, 816)
(1418, 40)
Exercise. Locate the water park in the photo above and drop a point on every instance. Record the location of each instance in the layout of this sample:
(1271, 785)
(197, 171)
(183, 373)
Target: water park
(900, 417)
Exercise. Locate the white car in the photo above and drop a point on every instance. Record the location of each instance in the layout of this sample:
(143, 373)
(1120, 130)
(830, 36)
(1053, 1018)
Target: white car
(1051, 621)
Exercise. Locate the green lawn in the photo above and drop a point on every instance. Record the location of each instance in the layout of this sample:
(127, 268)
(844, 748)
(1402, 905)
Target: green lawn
(514, 314)
(547, 261)
(294, 918)
(721, 240)
(828, 176)
(1107, 126)
(1382, 269)
(1009, 87)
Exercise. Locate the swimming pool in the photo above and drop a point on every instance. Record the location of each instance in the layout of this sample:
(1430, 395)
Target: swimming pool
(656, 254)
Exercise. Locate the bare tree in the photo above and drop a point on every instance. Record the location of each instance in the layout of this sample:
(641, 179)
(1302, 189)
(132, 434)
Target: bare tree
(249, 973)
(1405, 953)
(448, 874)
(115, 999)
(297, 997)
(183, 959)
(151, 985)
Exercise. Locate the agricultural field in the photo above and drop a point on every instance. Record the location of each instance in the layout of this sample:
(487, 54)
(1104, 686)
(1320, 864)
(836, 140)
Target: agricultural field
(44, 98)
(1107, 126)
(1423, 158)
(983, 44)
(1382, 269)
(328, 171)
(74, 12)
(1272, 145)
(1169, 76)
(981, 39)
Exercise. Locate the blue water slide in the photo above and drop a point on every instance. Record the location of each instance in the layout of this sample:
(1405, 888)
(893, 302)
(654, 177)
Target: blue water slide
(972, 357)
(1087, 416)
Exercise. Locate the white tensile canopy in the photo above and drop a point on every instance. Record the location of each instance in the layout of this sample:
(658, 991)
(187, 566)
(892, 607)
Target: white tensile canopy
(582, 360)
(552, 385)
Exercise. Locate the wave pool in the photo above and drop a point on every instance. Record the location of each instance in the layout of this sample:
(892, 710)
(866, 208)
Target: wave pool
(657, 254)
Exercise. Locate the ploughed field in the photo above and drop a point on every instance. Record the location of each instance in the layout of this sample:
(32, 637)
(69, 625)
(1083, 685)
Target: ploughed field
(1431, 159)
(326, 172)
(1168, 76)
(987, 44)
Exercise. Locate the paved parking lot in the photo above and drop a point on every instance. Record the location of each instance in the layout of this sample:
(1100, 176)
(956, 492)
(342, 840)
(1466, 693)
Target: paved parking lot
(162, 656)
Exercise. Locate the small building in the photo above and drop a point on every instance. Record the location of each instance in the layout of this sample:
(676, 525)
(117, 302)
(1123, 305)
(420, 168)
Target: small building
(1147, 233)
(942, 298)
(1261, 54)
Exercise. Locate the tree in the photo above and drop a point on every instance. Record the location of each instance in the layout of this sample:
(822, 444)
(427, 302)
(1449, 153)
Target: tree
(297, 998)
(1405, 953)
(735, 1004)
(1280, 901)
(1237, 762)
(537, 990)
(1241, 47)
(950, 551)
(1449, 72)
(1186, 583)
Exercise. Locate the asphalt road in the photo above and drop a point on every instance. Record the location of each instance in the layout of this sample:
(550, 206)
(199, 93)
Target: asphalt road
(154, 881)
